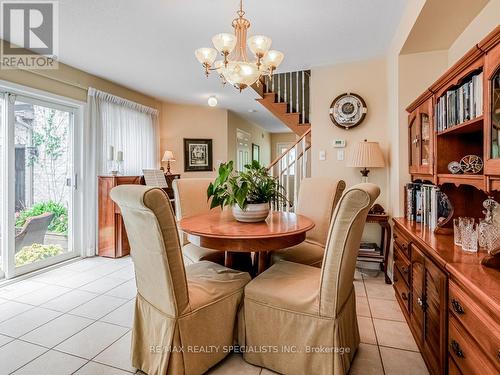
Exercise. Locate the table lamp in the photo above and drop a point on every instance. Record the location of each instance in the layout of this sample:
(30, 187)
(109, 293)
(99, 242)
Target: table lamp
(366, 155)
(168, 156)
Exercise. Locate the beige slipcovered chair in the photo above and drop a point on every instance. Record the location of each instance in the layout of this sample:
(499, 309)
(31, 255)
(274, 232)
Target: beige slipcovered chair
(318, 197)
(177, 308)
(191, 199)
(307, 315)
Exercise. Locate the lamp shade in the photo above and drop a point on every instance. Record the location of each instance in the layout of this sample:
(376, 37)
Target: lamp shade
(259, 44)
(168, 156)
(367, 155)
(206, 55)
(273, 58)
(224, 42)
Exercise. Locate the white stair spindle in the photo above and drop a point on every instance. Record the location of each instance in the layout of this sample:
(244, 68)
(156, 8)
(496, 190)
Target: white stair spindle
(295, 177)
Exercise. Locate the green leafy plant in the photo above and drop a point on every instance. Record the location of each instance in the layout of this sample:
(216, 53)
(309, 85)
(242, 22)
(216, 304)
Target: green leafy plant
(36, 252)
(59, 223)
(251, 186)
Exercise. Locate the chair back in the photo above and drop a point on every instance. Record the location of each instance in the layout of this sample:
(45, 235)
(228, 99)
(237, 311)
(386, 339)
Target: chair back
(155, 249)
(318, 197)
(190, 199)
(33, 231)
(339, 263)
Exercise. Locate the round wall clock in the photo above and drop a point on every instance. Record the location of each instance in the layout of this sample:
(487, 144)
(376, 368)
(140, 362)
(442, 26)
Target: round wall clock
(348, 110)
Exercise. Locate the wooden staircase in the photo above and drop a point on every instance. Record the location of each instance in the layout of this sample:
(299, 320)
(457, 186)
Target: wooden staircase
(286, 96)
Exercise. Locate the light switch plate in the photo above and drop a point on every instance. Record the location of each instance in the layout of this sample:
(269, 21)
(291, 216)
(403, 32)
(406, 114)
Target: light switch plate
(322, 155)
(340, 155)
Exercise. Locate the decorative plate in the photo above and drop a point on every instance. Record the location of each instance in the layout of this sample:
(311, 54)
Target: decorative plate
(348, 110)
(455, 167)
(471, 164)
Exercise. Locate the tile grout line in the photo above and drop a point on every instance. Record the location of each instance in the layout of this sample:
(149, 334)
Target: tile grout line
(48, 349)
(373, 326)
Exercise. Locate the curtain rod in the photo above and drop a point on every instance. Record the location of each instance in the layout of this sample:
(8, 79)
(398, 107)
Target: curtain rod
(39, 73)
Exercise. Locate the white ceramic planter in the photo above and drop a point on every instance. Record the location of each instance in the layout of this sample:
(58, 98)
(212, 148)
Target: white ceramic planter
(253, 213)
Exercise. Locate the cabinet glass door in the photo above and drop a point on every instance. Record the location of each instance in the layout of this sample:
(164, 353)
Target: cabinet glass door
(495, 116)
(425, 140)
(414, 145)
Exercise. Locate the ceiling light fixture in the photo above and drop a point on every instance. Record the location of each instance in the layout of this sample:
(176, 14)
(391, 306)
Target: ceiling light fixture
(212, 101)
(235, 68)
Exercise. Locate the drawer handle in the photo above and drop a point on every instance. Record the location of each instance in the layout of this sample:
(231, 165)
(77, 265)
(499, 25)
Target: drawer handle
(456, 349)
(396, 279)
(404, 269)
(457, 307)
(405, 298)
(404, 246)
(422, 303)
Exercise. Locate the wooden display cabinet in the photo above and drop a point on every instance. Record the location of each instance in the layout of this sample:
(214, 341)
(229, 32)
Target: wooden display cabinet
(421, 136)
(449, 299)
(492, 113)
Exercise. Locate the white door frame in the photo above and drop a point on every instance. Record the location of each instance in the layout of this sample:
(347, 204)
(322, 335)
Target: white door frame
(77, 109)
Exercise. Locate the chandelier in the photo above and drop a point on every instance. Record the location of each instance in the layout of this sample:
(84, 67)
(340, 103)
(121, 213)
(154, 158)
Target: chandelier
(235, 67)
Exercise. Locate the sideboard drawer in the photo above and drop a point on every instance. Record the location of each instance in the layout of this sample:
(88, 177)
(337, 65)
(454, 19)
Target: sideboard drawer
(402, 242)
(452, 367)
(465, 352)
(402, 290)
(402, 263)
(476, 321)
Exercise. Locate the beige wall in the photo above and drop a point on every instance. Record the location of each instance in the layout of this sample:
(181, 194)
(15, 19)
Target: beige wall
(258, 136)
(481, 26)
(280, 138)
(179, 121)
(367, 79)
(72, 83)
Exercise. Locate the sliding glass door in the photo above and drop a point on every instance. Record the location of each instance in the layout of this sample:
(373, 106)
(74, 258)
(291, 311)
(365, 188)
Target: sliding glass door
(38, 161)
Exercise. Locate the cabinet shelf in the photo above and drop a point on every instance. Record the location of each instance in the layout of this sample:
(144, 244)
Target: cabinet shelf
(476, 180)
(471, 126)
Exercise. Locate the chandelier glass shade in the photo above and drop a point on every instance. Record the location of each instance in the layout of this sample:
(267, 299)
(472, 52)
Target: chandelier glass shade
(235, 66)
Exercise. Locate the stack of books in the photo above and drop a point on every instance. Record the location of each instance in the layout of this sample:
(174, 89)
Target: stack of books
(460, 105)
(423, 204)
(368, 250)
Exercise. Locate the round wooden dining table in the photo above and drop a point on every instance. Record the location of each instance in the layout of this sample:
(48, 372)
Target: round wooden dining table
(220, 231)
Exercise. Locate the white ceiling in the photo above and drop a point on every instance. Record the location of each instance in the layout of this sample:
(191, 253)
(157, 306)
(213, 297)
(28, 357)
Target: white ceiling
(148, 45)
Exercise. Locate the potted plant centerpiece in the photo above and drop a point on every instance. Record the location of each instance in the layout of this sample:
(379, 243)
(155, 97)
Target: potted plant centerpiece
(250, 192)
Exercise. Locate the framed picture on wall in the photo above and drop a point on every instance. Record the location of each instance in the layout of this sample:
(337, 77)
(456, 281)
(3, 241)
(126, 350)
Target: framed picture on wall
(255, 152)
(197, 155)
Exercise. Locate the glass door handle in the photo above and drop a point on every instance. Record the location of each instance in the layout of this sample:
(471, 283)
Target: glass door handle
(72, 182)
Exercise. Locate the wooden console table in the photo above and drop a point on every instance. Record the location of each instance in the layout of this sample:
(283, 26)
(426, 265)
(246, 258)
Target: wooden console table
(385, 243)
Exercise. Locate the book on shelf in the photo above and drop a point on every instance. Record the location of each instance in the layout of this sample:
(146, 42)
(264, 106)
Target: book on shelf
(460, 105)
(423, 204)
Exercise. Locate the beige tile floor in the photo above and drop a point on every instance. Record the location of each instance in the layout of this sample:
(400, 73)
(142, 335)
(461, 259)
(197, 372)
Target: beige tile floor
(76, 319)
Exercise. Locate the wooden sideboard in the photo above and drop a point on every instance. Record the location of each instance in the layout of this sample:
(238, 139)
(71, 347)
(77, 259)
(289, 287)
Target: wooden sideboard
(112, 237)
(450, 301)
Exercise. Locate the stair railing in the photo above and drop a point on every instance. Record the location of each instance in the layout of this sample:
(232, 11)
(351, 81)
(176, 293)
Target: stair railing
(291, 88)
(290, 168)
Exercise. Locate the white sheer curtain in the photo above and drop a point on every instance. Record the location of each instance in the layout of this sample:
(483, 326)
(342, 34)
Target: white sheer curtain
(128, 126)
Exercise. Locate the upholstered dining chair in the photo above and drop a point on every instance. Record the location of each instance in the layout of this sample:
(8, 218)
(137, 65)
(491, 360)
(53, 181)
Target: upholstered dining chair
(177, 308)
(191, 199)
(307, 314)
(318, 197)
